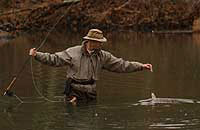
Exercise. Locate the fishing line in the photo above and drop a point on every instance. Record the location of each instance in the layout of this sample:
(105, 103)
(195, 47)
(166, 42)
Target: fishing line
(32, 74)
(36, 87)
(20, 99)
(31, 61)
(33, 79)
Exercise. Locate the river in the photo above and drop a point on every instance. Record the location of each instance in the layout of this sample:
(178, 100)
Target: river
(176, 73)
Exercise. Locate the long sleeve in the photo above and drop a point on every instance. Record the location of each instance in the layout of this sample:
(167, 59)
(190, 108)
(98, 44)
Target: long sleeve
(58, 59)
(114, 64)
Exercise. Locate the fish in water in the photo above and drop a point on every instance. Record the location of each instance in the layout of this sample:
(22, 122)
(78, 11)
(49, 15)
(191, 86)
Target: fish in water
(154, 100)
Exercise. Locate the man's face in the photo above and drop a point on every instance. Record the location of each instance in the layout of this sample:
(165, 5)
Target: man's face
(94, 45)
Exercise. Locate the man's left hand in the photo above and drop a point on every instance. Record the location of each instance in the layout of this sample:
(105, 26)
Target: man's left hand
(148, 67)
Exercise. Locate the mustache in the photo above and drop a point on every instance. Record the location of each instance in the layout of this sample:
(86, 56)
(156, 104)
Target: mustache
(97, 50)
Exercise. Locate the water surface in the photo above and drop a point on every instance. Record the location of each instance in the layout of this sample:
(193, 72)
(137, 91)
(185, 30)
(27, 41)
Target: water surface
(176, 64)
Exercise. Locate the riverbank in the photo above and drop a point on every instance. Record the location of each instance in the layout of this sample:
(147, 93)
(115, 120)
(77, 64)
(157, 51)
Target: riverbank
(134, 15)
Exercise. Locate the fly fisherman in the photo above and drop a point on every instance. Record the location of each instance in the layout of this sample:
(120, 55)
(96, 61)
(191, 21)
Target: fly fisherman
(84, 64)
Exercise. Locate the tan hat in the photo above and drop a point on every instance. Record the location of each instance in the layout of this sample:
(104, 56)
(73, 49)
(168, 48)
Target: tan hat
(95, 35)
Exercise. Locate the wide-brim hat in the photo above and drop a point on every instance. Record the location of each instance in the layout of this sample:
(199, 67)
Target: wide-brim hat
(95, 35)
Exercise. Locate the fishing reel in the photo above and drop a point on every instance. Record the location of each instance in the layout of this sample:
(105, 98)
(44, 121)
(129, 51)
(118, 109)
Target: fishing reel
(8, 93)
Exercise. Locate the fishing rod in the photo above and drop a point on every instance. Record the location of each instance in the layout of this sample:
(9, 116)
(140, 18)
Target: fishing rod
(8, 91)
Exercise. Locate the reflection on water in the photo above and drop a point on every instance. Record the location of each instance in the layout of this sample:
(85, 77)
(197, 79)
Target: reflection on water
(175, 60)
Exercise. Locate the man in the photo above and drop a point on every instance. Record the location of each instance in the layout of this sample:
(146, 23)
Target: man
(84, 63)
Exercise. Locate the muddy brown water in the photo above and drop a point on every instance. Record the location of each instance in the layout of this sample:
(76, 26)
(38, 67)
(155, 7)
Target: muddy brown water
(176, 64)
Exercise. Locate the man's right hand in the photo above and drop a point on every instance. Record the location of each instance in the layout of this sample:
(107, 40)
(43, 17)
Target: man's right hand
(148, 67)
(32, 52)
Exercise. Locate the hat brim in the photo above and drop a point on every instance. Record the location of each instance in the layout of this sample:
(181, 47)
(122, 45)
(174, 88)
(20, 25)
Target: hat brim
(94, 39)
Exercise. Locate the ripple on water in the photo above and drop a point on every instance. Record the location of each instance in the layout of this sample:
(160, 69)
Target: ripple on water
(167, 126)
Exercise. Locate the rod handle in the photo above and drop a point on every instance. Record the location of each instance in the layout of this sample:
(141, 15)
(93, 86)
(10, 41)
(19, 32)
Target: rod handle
(10, 85)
